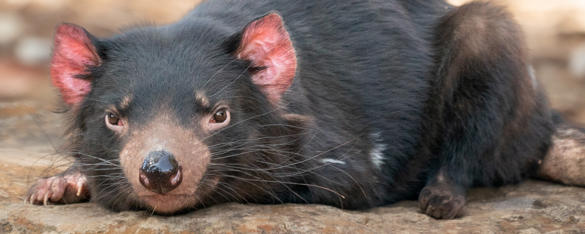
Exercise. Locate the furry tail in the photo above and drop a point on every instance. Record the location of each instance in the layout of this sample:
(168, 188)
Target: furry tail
(565, 161)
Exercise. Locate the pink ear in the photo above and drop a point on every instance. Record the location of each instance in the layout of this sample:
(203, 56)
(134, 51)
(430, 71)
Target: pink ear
(266, 43)
(73, 54)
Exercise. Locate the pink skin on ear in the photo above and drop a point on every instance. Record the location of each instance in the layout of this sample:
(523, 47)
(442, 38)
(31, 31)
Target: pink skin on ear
(72, 55)
(266, 43)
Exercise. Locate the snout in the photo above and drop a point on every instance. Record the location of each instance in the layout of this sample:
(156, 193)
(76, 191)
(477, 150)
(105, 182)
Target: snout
(160, 172)
(165, 164)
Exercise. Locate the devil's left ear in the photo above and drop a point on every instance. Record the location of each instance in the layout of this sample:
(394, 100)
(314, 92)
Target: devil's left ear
(267, 45)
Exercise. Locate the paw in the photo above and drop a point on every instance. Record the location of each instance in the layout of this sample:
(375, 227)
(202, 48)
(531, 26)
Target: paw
(59, 189)
(441, 201)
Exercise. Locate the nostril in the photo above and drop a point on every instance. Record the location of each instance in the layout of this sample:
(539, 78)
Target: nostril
(144, 179)
(176, 178)
(160, 172)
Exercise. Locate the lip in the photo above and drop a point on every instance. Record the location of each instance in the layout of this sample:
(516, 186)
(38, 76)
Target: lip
(168, 203)
(166, 198)
(163, 196)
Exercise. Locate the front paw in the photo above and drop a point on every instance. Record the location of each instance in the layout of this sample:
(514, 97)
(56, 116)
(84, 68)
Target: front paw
(59, 189)
(441, 201)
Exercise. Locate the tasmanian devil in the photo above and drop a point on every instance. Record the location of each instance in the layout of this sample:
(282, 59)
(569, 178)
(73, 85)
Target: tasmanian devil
(353, 104)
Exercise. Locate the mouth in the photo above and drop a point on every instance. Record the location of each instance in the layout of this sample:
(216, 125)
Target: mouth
(168, 203)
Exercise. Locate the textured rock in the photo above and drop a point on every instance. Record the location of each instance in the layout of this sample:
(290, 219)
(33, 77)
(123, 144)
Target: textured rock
(533, 207)
(565, 162)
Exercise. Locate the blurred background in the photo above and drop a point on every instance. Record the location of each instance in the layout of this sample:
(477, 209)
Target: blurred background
(555, 33)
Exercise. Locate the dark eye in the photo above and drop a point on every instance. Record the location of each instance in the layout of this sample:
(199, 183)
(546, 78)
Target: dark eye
(219, 119)
(113, 119)
(114, 122)
(220, 116)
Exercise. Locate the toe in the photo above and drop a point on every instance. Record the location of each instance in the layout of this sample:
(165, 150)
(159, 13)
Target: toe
(58, 187)
(441, 202)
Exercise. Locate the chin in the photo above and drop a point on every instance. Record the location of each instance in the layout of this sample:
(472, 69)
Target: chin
(168, 204)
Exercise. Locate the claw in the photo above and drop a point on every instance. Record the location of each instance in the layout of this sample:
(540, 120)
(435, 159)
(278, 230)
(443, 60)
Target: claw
(46, 199)
(79, 187)
(68, 188)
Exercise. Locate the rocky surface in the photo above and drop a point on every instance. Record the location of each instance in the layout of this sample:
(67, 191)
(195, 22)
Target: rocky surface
(533, 207)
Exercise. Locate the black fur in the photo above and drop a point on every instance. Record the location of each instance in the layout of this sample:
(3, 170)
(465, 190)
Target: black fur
(443, 93)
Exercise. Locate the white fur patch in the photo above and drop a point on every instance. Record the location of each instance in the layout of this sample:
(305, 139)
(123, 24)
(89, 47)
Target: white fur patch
(532, 75)
(330, 160)
(377, 152)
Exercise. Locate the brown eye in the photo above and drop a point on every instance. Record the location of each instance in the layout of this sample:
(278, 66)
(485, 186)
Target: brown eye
(220, 116)
(113, 119)
(219, 119)
(114, 122)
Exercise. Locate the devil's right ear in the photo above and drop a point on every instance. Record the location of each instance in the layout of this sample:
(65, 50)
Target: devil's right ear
(73, 55)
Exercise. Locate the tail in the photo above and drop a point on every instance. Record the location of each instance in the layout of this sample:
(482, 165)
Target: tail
(565, 161)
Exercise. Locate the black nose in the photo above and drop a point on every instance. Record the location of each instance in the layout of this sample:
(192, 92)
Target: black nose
(160, 172)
